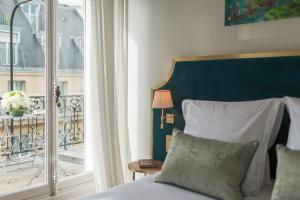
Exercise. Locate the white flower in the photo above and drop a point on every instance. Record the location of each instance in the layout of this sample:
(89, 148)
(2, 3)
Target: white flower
(15, 100)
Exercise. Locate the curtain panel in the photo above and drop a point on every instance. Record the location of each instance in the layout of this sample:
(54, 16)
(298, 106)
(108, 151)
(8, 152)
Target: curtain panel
(106, 95)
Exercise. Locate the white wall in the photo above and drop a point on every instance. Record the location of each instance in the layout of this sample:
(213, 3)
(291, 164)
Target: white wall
(162, 29)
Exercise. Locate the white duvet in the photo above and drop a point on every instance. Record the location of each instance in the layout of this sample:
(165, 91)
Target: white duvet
(146, 189)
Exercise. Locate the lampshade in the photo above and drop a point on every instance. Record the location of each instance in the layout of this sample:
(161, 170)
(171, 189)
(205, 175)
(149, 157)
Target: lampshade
(162, 99)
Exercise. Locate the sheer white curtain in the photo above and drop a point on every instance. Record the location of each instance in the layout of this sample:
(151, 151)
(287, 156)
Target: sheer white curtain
(106, 91)
(121, 80)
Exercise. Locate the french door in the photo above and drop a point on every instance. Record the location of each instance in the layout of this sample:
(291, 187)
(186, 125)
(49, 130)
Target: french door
(44, 149)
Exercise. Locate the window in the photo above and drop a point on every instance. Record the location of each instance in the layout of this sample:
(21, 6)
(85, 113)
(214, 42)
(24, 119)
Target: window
(41, 38)
(18, 85)
(5, 44)
(26, 147)
(63, 86)
(3, 16)
(59, 53)
(31, 11)
(79, 42)
(5, 53)
(25, 8)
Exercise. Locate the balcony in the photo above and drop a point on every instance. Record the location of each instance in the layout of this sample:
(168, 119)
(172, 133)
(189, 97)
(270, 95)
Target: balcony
(22, 143)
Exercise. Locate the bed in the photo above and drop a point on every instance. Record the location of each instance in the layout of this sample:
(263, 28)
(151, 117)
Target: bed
(238, 77)
(146, 189)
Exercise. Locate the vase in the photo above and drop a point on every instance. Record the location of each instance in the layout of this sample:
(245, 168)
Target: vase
(17, 112)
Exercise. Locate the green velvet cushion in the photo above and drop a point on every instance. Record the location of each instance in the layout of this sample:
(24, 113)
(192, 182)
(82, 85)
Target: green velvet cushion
(287, 185)
(210, 167)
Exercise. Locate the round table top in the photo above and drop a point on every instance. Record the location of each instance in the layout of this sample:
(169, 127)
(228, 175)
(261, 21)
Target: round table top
(135, 167)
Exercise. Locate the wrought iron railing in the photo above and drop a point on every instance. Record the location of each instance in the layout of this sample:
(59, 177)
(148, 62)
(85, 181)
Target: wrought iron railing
(24, 135)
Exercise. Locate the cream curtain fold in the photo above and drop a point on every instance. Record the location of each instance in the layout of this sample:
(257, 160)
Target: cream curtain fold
(106, 92)
(121, 80)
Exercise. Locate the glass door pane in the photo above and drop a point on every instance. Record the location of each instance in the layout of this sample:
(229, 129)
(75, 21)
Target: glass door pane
(23, 150)
(70, 80)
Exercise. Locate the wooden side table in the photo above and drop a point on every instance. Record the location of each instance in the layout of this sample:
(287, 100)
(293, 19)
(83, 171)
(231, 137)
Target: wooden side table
(135, 167)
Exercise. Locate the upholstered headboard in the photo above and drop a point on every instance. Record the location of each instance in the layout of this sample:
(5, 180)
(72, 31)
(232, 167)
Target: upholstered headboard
(237, 77)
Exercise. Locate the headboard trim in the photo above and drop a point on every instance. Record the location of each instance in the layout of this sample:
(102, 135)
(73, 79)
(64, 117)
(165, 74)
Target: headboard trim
(267, 54)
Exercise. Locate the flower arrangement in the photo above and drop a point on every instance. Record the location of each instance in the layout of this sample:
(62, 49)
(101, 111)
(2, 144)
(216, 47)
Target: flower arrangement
(16, 102)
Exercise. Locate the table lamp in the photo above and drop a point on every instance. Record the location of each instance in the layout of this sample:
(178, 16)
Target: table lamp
(163, 99)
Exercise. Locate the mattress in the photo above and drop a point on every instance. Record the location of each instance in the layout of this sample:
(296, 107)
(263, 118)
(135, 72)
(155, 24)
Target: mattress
(145, 188)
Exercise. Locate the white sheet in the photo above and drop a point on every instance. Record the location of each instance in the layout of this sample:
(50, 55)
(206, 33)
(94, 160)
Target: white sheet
(146, 189)
(293, 107)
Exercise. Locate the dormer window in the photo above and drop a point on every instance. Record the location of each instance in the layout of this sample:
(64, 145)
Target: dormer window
(31, 11)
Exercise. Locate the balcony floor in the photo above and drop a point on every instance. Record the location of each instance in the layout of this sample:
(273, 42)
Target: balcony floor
(21, 172)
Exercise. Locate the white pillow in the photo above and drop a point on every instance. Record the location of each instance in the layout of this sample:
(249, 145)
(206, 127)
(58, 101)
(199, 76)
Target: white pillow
(238, 122)
(293, 107)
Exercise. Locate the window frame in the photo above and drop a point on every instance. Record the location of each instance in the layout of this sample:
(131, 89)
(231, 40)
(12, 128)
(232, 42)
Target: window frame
(15, 84)
(16, 44)
(30, 16)
(52, 184)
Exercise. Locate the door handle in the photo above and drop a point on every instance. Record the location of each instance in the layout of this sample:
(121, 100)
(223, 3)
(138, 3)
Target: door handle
(57, 95)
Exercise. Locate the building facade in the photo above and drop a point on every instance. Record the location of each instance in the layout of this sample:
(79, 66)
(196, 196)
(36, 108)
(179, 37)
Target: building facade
(29, 48)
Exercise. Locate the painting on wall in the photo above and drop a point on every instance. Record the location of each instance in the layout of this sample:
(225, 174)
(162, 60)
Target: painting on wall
(249, 11)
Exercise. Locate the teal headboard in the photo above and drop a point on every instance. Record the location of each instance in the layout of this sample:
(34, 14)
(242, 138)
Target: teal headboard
(239, 77)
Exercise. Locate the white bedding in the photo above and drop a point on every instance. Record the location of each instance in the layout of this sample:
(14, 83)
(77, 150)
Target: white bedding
(145, 188)
(238, 122)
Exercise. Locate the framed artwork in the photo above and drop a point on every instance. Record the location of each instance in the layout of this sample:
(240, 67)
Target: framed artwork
(249, 11)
